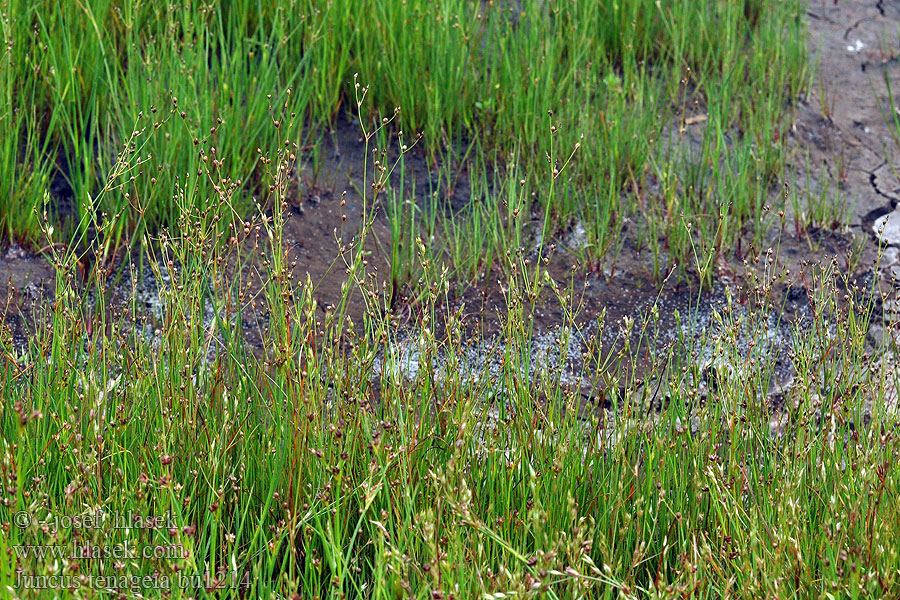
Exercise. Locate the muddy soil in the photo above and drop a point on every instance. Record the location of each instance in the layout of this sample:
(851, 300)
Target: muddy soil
(846, 126)
(842, 140)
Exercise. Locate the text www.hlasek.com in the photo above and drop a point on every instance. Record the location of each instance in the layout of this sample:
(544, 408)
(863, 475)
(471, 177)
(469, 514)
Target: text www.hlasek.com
(124, 551)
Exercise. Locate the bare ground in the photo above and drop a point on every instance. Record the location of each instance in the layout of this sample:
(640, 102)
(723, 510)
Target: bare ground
(842, 141)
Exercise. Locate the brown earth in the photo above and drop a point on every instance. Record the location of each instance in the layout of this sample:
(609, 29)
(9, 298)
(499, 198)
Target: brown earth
(842, 141)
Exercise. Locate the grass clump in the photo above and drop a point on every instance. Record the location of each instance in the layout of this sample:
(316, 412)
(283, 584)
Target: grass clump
(679, 108)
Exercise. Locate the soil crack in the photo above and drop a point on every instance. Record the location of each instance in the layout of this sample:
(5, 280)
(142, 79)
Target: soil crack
(855, 25)
(828, 20)
(873, 177)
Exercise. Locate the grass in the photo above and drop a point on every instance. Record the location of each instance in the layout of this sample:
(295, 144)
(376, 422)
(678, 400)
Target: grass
(323, 469)
(624, 81)
(424, 457)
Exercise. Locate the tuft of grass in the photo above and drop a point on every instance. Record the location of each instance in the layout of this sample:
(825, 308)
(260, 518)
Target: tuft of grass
(626, 81)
